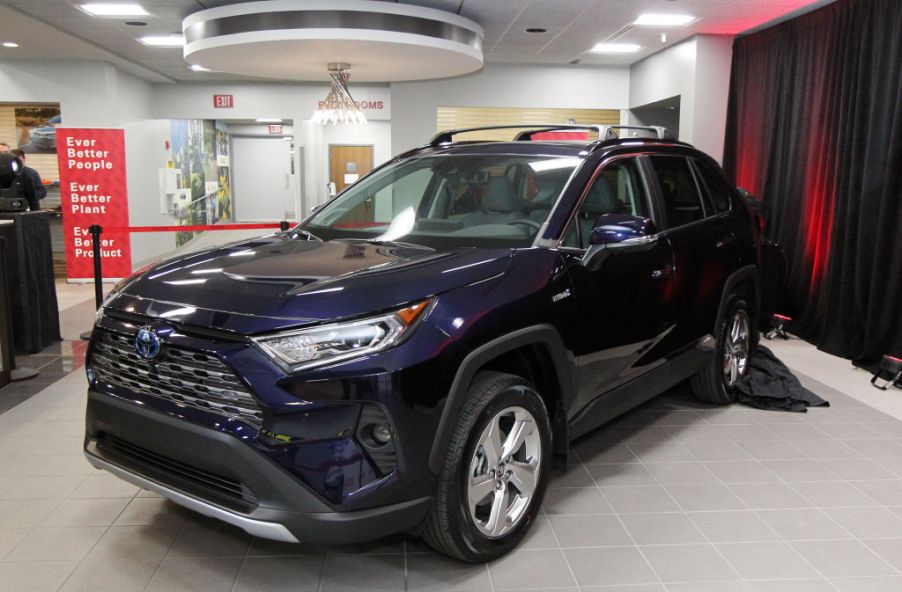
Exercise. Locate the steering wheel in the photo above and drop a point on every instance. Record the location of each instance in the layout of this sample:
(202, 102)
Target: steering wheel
(526, 222)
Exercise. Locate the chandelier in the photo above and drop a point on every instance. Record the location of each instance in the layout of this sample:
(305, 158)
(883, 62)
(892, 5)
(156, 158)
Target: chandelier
(339, 106)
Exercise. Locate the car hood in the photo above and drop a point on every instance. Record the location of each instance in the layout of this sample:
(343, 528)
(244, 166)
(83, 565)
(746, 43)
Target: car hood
(277, 282)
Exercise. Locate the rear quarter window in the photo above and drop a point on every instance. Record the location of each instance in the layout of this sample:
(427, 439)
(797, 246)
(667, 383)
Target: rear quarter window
(715, 183)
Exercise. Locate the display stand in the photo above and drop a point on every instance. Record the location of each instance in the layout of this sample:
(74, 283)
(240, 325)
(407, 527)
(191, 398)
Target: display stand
(6, 357)
(31, 282)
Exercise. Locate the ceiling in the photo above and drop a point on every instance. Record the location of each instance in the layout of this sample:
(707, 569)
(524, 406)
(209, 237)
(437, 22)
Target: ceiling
(56, 29)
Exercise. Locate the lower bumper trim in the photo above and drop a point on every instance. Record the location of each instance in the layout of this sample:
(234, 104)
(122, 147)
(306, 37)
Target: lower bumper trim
(258, 528)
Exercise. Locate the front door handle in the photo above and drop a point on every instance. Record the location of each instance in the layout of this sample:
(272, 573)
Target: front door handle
(724, 241)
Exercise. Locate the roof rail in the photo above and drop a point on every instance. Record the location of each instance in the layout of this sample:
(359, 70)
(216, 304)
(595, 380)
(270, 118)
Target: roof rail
(605, 132)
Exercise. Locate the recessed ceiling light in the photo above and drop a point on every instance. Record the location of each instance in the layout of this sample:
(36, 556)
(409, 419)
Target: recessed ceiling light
(118, 9)
(536, 30)
(9, 44)
(198, 68)
(663, 20)
(135, 23)
(269, 120)
(163, 40)
(616, 48)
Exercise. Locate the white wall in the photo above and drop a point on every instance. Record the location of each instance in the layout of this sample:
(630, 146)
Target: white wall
(698, 71)
(495, 85)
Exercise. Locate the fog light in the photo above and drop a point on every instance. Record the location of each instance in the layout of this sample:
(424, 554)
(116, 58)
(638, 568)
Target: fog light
(380, 434)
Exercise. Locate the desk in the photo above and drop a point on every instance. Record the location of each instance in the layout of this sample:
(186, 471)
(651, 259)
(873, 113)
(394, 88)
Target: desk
(32, 288)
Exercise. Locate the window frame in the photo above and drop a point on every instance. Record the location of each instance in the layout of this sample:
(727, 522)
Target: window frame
(708, 211)
(697, 168)
(584, 193)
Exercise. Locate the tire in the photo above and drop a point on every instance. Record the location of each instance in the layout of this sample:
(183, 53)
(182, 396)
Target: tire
(715, 383)
(470, 534)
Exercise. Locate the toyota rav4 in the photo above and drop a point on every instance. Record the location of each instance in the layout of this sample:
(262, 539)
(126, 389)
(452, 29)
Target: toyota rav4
(418, 353)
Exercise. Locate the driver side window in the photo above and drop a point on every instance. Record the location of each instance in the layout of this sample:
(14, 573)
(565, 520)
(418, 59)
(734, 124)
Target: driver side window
(616, 189)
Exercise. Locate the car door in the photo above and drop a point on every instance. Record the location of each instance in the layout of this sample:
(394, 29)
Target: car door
(622, 291)
(703, 247)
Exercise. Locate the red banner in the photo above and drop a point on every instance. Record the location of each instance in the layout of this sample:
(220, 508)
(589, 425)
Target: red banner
(93, 191)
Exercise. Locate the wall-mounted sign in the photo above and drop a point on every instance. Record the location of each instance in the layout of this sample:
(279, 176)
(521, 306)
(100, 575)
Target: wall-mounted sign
(275, 129)
(223, 101)
(93, 191)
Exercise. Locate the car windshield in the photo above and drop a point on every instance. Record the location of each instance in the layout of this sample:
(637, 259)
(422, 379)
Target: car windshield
(450, 201)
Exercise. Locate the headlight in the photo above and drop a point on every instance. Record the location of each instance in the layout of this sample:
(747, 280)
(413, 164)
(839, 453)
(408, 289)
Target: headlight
(327, 344)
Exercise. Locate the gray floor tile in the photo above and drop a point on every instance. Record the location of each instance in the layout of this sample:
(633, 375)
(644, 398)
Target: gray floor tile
(540, 536)
(98, 573)
(742, 472)
(832, 494)
(859, 469)
(39, 576)
(877, 447)
(720, 586)
(56, 544)
(626, 500)
(277, 574)
(742, 526)
(705, 497)
(801, 470)
(25, 513)
(150, 510)
(9, 538)
(723, 451)
(194, 574)
(888, 549)
(527, 568)
(693, 473)
(436, 573)
(688, 563)
(662, 529)
(150, 541)
(771, 560)
(589, 531)
(575, 476)
(605, 454)
(867, 523)
(203, 537)
(801, 524)
(868, 584)
(837, 559)
(608, 566)
(88, 512)
(36, 487)
(576, 500)
(793, 586)
(826, 449)
(887, 493)
(769, 496)
(363, 572)
(772, 449)
(267, 547)
(651, 452)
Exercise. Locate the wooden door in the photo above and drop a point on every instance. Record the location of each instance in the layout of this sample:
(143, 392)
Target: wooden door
(349, 163)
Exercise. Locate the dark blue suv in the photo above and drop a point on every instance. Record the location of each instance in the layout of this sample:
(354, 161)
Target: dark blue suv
(417, 354)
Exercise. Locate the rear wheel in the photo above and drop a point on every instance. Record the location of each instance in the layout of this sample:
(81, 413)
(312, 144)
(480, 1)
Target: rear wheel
(729, 363)
(496, 471)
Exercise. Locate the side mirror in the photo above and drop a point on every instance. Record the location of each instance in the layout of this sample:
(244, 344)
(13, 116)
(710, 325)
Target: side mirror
(616, 228)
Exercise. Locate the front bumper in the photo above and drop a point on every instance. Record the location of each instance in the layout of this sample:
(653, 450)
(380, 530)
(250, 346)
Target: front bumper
(218, 475)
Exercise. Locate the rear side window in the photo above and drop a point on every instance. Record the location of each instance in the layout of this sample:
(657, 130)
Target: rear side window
(679, 191)
(719, 190)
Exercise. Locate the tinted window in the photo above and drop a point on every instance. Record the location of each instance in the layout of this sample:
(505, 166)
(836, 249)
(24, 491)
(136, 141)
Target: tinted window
(682, 201)
(719, 190)
(616, 190)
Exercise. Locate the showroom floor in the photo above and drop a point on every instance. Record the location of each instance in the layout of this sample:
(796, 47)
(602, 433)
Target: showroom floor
(673, 497)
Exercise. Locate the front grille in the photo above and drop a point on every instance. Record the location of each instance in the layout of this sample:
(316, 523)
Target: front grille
(209, 486)
(177, 374)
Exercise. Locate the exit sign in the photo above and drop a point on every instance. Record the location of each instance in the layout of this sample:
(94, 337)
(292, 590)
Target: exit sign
(275, 129)
(223, 101)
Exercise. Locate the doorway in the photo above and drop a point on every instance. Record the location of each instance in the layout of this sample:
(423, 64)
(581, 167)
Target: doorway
(349, 162)
(263, 180)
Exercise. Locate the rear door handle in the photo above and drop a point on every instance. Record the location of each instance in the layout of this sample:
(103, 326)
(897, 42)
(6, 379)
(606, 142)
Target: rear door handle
(662, 273)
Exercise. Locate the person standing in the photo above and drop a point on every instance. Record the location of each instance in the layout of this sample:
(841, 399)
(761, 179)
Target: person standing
(4, 147)
(39, 190)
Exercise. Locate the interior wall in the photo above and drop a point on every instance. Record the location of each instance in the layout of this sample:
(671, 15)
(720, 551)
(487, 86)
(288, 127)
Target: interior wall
(698, 71)
(497, 85)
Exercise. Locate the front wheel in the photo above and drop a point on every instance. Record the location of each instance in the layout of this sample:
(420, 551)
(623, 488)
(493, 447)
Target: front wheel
(716, 383)
(496, 471)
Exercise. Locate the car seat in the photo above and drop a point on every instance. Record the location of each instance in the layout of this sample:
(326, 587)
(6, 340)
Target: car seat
(500, 204)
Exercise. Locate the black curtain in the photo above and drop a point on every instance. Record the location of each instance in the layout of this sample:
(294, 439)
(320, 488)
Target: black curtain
(814, 129)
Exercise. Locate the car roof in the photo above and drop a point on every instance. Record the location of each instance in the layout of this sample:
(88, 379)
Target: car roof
(547, 147)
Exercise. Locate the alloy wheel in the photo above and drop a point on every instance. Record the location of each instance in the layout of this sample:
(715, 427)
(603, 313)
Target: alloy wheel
(504, 472)
(736, 348)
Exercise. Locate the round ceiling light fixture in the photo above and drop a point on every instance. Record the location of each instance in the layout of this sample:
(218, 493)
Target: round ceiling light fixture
(295, 40)
(536, 30)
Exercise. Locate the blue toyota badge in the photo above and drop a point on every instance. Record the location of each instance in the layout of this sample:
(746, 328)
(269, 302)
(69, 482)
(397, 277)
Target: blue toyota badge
(147, 343)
